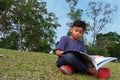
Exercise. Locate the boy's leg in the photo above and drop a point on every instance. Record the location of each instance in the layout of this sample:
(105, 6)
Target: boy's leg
(92, 71)
(61, 61)
(77, 64)
(70, 59)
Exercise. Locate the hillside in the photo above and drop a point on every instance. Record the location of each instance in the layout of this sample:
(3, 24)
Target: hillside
(19, 65)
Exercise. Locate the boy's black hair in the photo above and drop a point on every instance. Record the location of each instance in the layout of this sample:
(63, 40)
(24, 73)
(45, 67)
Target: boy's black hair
(79, 23)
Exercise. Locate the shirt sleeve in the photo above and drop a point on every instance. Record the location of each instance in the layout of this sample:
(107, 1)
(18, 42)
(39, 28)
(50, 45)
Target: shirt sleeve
(61, 44)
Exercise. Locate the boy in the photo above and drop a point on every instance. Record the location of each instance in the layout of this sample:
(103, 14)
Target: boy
(72, 43)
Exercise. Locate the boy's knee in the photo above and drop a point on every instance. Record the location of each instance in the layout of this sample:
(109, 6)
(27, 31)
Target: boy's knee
(69, 55)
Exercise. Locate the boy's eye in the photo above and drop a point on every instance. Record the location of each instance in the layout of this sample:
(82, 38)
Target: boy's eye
(81, 32)
(76, 30)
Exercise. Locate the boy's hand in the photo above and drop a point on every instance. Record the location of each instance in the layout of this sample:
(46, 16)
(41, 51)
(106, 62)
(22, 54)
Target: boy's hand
(59, 53)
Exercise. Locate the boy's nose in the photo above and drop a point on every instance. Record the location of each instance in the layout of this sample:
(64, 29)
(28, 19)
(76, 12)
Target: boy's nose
(78, 33)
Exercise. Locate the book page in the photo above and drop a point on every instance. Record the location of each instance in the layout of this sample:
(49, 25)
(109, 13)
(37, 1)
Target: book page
(101, 60)
(98, 58)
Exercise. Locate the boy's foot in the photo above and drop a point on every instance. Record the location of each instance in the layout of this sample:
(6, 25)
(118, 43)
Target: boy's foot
(92, 71)
(103, 73)
(65, 69)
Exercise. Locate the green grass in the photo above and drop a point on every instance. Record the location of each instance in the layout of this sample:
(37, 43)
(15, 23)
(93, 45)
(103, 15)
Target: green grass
(19, 65)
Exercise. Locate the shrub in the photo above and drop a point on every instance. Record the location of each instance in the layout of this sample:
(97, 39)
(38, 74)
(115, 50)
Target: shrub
(97, 51)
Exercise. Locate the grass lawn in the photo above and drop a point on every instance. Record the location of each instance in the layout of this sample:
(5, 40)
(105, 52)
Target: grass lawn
(19, 65)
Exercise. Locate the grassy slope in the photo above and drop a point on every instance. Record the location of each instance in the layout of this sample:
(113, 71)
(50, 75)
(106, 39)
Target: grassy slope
(18, 65)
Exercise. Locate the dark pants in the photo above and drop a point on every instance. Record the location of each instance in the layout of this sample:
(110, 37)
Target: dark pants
(73, 61)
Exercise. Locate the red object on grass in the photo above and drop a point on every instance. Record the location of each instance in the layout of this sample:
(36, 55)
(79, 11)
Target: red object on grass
(65, 69)
(103, 73)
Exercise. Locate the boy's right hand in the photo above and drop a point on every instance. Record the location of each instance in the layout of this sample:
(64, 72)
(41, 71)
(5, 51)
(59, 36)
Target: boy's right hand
(59, 52)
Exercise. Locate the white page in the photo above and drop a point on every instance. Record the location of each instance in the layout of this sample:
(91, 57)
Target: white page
(101, 60)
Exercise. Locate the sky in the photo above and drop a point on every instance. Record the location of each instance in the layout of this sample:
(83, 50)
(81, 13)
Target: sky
(60, 8)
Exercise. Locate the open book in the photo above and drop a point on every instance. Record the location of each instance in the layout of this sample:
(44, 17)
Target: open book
(94, 61)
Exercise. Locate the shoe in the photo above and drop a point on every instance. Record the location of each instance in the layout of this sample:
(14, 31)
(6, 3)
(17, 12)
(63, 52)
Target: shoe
(103, 73)
(67, 70)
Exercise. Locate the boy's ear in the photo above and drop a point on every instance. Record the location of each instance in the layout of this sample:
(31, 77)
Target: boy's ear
(70, 29)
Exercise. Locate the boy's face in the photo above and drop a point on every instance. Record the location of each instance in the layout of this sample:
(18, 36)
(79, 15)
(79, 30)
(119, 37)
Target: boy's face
(76, 32)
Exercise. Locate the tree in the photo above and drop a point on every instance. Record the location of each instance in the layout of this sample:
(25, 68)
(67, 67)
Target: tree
(100, 15)
(115, 51)
(10, 42)
(106, 44)
(74, 14)
(93, 50)
(31, 21)
(111, 42)
(107, 40)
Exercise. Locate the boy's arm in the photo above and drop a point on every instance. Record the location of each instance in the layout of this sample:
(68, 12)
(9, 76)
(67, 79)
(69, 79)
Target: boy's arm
(59, 52)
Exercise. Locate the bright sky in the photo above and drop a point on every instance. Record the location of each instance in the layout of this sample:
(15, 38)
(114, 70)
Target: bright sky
(61, 8)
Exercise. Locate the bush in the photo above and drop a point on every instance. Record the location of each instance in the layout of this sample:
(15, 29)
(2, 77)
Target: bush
(114, 51)
(97, 51)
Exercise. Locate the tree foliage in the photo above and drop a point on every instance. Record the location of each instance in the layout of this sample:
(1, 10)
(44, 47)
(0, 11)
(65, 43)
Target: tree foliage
(31, 21)
(111, 42)
(108, 40)
(74, 14)
(100, 15)
(93, 50)
(10, 42)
